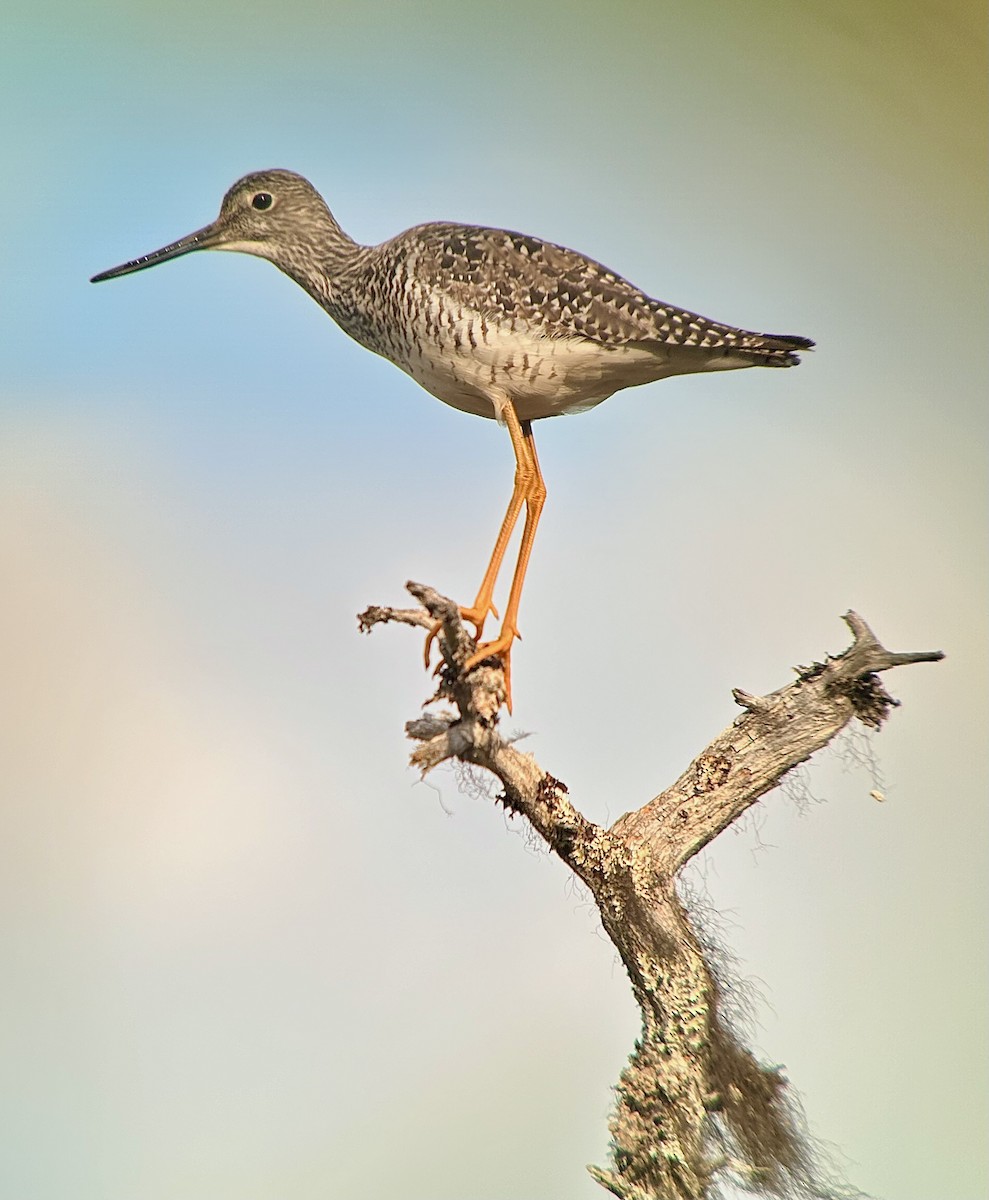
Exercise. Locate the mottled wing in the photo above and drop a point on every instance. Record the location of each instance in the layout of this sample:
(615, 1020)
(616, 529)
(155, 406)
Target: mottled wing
(561, 293)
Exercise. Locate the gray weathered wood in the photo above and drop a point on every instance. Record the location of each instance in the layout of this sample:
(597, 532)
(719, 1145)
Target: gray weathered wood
(694, 1106)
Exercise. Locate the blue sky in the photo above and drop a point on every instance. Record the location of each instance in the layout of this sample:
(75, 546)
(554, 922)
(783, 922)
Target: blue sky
(251, 955)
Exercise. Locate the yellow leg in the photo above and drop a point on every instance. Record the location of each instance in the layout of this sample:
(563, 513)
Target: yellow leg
(478, 611)
(530, 489)
(483, 603)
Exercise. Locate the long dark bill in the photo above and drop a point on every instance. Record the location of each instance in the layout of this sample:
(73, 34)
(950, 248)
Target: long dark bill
(202, 239)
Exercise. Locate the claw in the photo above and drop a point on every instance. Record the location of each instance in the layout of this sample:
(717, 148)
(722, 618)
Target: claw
(427, 652)
(475, 615)
(500, 648)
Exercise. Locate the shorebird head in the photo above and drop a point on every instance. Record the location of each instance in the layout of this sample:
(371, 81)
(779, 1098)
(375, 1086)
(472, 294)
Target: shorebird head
(272, 214)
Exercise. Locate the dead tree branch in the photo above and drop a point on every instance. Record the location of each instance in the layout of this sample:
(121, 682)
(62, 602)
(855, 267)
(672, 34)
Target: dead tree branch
(694, 1106)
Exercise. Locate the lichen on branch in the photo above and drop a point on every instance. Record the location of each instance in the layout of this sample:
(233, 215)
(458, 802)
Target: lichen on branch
(694, 1107)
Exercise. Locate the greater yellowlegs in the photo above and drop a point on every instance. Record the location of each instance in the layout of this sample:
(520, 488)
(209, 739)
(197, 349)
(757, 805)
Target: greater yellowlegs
(495, 323)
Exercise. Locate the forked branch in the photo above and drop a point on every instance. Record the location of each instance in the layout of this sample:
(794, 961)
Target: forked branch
(693, 1104)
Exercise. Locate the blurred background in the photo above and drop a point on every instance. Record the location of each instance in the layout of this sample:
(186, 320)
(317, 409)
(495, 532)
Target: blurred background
(246, 953)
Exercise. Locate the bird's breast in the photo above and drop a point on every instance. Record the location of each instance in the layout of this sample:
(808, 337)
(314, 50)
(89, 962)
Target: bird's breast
(472, 359)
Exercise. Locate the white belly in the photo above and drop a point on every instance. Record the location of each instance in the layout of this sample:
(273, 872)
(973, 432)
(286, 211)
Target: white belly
(474, 364)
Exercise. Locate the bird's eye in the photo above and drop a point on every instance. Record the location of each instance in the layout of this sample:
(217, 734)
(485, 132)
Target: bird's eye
(263, 201)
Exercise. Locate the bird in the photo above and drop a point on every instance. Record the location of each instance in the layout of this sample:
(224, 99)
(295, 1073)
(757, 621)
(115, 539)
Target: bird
(495, 323)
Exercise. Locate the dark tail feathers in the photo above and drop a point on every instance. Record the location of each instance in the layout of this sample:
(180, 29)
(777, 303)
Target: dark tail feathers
(771, 349)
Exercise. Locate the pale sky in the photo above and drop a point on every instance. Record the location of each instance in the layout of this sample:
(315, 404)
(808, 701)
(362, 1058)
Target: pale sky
(248, 955)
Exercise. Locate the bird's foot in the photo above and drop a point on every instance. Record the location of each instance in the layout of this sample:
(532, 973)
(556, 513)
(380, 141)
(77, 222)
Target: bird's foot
(476, 614)
(501, 649)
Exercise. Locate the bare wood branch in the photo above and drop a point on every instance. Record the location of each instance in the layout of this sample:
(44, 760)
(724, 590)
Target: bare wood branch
(376, 615)
(693, 1104)
(775, 734)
